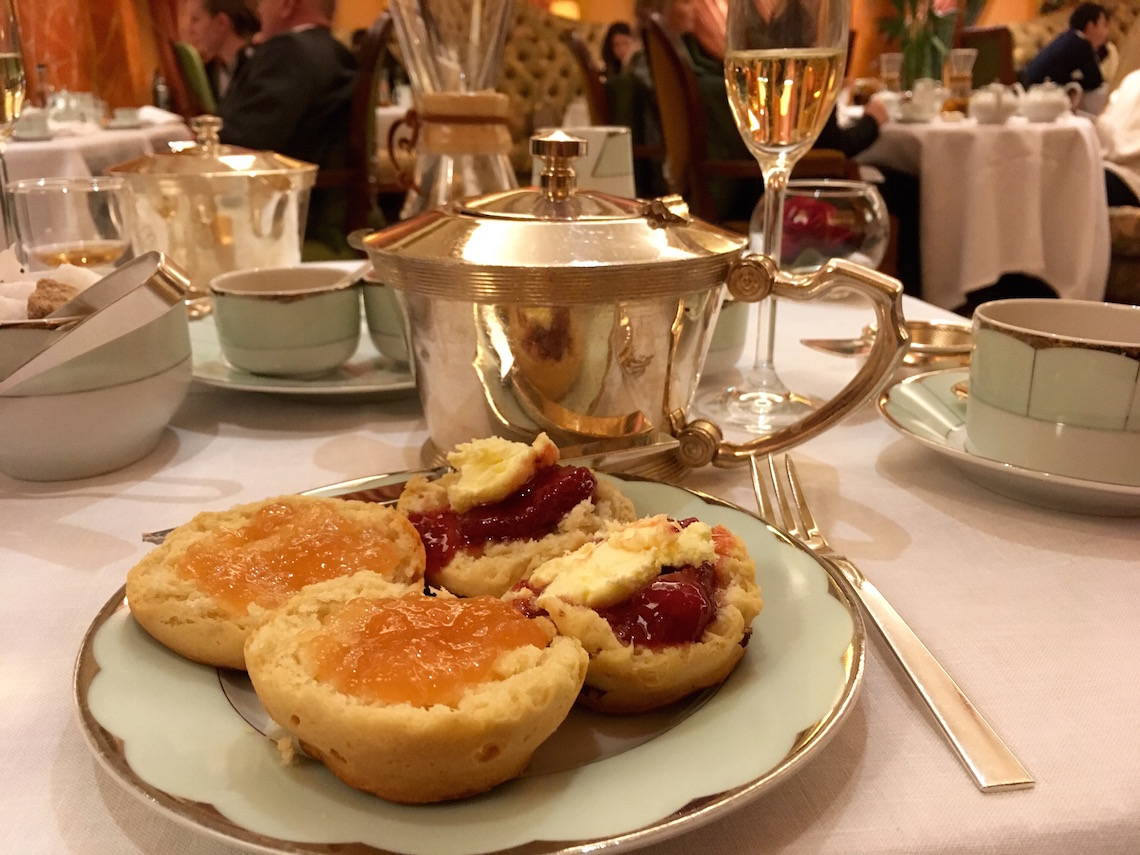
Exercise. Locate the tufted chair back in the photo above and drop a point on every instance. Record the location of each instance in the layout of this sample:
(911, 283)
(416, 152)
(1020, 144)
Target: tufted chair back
(540, 75)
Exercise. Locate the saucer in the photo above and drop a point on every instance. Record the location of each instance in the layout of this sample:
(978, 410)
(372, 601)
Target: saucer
(926, 409)
(366, 376)
(123, 126)
(30, 137)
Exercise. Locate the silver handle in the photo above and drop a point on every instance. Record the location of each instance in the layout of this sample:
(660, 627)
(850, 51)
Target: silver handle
(980, 749)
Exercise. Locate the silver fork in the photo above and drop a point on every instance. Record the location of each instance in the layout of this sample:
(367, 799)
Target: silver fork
(986, 757)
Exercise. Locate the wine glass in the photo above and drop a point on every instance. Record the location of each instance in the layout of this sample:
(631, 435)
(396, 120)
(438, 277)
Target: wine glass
(783, 68)
(12, 89)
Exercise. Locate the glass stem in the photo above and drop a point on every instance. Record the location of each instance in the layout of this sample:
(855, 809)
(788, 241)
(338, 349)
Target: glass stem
(775, 186)
(9, 232)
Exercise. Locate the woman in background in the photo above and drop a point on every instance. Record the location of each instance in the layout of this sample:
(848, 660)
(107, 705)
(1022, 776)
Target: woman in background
(617, 47)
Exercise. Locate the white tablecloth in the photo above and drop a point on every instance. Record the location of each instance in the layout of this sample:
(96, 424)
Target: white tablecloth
(87, 154)
(1020, 197)
(1033, 611)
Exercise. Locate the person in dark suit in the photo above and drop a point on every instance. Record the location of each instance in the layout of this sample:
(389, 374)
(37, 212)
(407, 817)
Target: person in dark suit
(221, 31)
(1075, 54)
(292, 96)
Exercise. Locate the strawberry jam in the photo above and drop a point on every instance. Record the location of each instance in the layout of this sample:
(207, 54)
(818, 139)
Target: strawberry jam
(673, 609)
(281, 549)
(415, 649)
(531, 512)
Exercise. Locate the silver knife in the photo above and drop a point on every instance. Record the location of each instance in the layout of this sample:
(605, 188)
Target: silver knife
(385, 489)
(839, 346)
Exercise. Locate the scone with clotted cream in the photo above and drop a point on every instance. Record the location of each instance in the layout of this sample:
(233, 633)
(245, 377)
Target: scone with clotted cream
(663, 607)
(506, 508)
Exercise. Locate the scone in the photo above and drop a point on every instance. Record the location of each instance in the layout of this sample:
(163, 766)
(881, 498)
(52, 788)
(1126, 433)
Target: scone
(505, 509)
(664, 608)
(216, 578)
(413, 698)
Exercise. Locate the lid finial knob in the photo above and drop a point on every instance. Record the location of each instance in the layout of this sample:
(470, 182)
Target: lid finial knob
(557, 150)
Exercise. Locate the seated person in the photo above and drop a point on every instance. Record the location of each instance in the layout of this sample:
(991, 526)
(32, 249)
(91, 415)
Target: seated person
(1119, 130)
(617, 47)
(220, 30)
(292, 96)
(1075, 56)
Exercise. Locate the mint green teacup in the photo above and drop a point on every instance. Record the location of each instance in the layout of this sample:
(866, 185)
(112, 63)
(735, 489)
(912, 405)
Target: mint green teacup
(1055, 387)
(287, 322)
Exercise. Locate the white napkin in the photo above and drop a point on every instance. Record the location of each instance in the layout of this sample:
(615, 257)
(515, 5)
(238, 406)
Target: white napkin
(150, 115)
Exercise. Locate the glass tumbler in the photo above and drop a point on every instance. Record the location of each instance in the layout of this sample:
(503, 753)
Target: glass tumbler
(79, 221)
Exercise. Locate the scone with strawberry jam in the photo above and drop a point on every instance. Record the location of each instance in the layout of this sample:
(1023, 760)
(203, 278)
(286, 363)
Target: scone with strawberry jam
(413, 698)
(505, 509)
(663, 607)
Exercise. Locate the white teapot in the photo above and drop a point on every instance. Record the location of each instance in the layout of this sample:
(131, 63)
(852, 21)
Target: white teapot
(1044, 102)
(993, 104)
(924, 101)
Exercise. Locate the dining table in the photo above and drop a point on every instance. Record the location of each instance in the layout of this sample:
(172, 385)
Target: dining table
(1016, 197)
(88, 150)
(1031, 609)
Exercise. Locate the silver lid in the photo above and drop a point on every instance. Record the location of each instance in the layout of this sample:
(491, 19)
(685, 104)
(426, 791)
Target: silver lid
(554, 243)
(208, 157)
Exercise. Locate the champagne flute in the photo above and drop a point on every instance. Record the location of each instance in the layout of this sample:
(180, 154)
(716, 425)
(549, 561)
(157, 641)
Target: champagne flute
(12, 90)
(783, 67)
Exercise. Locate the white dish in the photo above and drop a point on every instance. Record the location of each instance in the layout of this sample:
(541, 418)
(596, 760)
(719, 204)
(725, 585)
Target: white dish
(194, 759)
(926, 409)
(114, 125)
(366, 375)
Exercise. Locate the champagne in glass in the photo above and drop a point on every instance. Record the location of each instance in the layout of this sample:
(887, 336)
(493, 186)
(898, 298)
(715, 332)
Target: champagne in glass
(783, 68)
(12, 88)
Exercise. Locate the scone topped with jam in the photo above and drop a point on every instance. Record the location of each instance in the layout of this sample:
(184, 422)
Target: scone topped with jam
(414, 698)
(663, 607)
(217, 577)
(506, 508)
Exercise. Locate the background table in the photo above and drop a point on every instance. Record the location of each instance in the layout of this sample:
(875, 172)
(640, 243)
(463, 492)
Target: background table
(1019, 197)
(87, 154)
(1033, 611)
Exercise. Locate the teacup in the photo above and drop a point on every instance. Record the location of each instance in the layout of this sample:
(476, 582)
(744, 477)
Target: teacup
(387, 326)
(287, 322)
(1055, 387)
(126, 116)
(32, 125)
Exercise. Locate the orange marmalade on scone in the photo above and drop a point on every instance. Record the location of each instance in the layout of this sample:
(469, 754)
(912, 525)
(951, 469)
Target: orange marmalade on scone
(283, 548)
(417, 649)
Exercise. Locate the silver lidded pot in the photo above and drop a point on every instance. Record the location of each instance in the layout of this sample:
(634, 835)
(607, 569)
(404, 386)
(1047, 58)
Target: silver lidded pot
(214, 208)
(589, 316)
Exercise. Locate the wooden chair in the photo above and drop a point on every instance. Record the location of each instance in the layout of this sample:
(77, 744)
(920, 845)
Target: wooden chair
(593, 78)
(995, 54)
(683, 129)
(358, 177)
